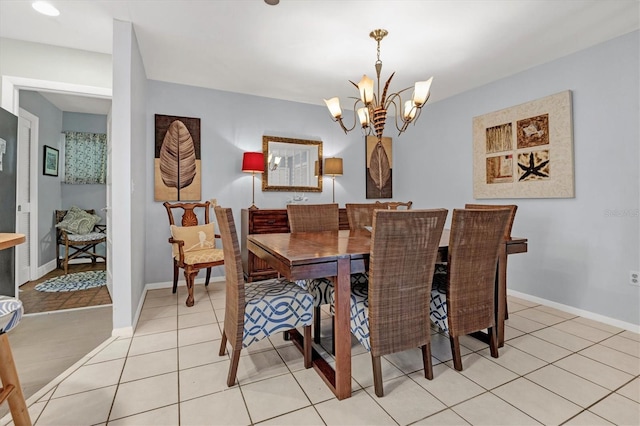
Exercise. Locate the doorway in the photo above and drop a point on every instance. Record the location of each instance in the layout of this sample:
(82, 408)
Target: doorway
(10, 101)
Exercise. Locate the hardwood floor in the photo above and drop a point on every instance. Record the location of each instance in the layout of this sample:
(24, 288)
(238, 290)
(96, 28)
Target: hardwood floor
(35, 301)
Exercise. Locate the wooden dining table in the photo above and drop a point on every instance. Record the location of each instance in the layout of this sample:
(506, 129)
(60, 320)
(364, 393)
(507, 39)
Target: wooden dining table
(338, 254)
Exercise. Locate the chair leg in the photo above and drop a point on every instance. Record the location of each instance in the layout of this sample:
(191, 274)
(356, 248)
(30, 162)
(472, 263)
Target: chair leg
(307, 346)
(233, 368)
(66, 259)
(377, 375)
(206, 282)
(455, 351)
(175, 276)
(316, 324)
(190, 276)
(9, 377)
(223, 344)
(426, 361)
(493, 341)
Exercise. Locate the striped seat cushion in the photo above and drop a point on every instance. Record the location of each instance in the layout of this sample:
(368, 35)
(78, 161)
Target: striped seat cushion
(10, 313)
(272, 306)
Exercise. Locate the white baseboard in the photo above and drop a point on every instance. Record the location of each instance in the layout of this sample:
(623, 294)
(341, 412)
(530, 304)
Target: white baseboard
(575, 311)
(181, 283)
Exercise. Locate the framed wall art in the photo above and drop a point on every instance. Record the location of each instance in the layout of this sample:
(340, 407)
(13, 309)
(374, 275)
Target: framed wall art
(177, 162)
(525, 151)
(51, 161)
(379, 168)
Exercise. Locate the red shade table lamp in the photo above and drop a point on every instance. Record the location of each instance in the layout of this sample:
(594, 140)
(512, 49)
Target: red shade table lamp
(253, 162)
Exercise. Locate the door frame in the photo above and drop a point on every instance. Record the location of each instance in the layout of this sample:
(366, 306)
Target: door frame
(11, 86)
(33, 194)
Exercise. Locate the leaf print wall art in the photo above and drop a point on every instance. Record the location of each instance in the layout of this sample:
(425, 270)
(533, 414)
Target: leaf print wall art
(177, 163)
(525, 151)
(379, 168)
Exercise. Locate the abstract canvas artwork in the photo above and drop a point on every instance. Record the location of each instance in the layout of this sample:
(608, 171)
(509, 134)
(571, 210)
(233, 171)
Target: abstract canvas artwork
(525, 151)
(177, 165)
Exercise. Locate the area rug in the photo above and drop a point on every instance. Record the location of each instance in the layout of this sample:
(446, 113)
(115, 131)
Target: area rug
(74, 282)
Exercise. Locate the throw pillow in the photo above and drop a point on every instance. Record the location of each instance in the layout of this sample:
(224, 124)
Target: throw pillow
(78, 221)
(200, 237)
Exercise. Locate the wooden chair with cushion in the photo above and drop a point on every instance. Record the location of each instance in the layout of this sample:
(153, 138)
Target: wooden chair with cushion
(193, 245)
(475, 241)
(391, 313)
(312, 218)
(396, 205)
(77, 230)
(258, 309)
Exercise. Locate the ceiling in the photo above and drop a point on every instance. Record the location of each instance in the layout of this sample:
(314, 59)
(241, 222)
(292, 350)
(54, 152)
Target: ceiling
(307, 50)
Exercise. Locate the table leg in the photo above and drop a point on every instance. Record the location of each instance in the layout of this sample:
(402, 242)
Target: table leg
(342, 329)
(501, 299)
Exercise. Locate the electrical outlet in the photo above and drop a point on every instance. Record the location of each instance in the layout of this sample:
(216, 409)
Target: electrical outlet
(634, 278)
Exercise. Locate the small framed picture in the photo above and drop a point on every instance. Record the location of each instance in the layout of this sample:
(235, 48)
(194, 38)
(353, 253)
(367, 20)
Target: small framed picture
(50, 167)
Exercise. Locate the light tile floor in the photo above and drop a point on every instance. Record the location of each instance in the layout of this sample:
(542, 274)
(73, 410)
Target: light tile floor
(555, 368)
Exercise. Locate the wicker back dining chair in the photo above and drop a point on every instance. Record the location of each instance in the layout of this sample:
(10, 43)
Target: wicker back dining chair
(475, 241)
(391, 313)
(507, 232)
(396, 205)
(312, 218)
(360, 215)
(258, 309)
(193, 245)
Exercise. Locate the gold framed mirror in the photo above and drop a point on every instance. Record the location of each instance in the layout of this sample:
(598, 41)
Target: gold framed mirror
(289, 164)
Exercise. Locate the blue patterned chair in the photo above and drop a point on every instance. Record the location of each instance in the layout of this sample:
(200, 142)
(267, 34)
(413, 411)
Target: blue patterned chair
(313, 218)
(258, 309)
(11, 391)
(391, 313)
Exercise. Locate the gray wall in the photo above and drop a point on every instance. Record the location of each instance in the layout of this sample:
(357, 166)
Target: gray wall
(579, 253)
(49, 187)
(8, 174)
(128, 176)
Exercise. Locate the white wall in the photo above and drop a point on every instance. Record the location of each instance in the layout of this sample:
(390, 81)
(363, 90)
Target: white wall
(51, 63)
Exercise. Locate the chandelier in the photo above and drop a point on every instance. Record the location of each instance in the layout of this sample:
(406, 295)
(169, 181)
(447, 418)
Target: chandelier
(371, 108)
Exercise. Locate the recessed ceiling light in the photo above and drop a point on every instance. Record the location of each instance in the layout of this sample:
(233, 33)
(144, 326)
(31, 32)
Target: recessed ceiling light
(45, 8)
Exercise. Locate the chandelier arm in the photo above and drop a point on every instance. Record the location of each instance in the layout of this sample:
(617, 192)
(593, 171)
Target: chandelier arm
(355, 119)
